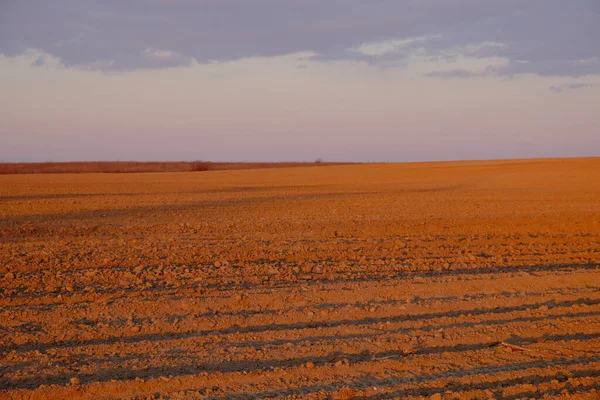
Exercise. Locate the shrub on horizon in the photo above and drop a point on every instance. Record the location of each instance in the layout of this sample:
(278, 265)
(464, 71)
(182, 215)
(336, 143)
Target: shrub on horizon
(198, 166)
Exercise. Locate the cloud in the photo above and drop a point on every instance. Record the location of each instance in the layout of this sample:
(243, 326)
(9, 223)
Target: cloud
(567, 87)
(454, 73)
(158, 53)
(545, 37)
(381, 48)
(165, 58)
(38, 62)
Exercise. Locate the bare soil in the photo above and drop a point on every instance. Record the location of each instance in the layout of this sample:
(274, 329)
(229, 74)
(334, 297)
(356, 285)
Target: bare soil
(466, 280)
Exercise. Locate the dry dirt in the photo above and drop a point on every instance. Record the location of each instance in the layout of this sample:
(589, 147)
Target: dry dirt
(435, 280)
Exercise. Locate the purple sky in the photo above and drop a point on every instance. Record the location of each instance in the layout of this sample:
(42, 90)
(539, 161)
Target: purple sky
(250, 80)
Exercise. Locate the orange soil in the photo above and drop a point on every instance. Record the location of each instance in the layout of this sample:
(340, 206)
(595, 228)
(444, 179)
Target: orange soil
(444, 280)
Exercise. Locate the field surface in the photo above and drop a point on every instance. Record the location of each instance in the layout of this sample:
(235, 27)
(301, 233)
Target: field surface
(430, 280)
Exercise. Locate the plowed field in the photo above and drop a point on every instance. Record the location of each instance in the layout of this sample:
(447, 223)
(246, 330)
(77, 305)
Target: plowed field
(444, 280)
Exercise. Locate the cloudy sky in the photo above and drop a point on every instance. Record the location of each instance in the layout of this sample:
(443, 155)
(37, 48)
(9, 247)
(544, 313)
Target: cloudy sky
(269, 80)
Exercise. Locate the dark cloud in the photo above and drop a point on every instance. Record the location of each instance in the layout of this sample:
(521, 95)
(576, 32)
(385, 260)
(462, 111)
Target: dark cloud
(547, 37)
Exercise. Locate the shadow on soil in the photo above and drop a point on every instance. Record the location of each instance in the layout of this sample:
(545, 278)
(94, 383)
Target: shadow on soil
(386, 277)
(368, 382)
(165, 209)
(158, 337)
(194, 367)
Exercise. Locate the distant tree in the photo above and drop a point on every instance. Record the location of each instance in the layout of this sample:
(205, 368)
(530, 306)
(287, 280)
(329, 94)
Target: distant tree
(198, 166)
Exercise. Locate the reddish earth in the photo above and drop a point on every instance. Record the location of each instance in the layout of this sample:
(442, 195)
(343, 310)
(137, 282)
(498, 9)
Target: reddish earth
(437, 280)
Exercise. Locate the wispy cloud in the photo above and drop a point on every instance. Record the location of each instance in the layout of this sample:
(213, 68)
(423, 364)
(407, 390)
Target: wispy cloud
(567, 87)
(489, 70)
(158, 53)
(375, 49)
(454, 73)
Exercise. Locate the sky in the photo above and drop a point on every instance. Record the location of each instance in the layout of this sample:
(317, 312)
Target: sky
(298, 80)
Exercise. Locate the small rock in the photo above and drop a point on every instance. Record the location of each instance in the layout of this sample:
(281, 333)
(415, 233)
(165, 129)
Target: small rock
(307, 268)
(310, 365)
(135, 329)
(9, 275)
(436, 396)
(75, 381)
(400, 244)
